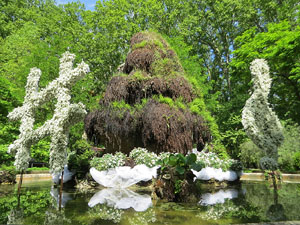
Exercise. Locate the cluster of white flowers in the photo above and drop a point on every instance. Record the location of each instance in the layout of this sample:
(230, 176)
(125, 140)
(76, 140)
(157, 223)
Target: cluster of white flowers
(260, 122)
(65, 114)
(143, 156)
(150, 159)
(108, 161)
(211, 159)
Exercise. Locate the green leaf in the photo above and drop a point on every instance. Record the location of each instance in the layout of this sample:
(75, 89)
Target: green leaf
(191, 158)
(180, 170)
(197, 166)
(172, 160)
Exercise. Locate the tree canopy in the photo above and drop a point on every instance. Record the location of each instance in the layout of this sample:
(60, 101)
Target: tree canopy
(214, 40)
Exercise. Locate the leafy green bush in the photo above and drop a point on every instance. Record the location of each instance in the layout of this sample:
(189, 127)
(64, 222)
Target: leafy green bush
(40, 151)
(290, 146)
(250, 154)
(267, 163)
(79, 158)
(5, 158)
(180, 164)
(296, 158)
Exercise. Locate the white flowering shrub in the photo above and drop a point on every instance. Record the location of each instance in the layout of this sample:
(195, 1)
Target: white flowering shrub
(65, 114)
(108, 161)
(211, 159)
(143, 156)
(260, 122)
(150, 159)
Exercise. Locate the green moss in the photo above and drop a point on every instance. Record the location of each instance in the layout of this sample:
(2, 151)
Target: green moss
(138, 76)
(177, 104)
(140, 106)
(121, 105)
(154, 40)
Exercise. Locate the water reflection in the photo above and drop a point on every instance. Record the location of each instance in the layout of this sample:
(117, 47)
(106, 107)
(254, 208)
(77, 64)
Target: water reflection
(218, 197)
(38, 205)
(111, 203)
(64, 199)
(121, 199)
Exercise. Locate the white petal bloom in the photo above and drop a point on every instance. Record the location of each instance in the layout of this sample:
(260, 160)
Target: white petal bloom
(65, 114)
(260, 122)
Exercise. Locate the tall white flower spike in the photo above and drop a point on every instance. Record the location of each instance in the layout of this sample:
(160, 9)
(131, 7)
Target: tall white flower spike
(65, 114)
(260, 122)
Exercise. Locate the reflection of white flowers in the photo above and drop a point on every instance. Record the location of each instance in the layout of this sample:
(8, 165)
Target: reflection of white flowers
(104, 212)
(144, 218)
(219, 211)
(65, 114)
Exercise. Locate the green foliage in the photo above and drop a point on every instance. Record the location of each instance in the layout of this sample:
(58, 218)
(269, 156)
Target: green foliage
(40, 151)
(180, 164)
(279, 45)
(203, 34)
(289, 147)
(79, 159)
(267, 163)
(37, 169)
(177, 104)
(250, 154)
(121, 105)
(5, 158)
(296, 158)
(32, 203)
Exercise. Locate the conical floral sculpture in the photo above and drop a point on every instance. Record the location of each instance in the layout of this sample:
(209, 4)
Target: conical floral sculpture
(150, 103)
(65, 114)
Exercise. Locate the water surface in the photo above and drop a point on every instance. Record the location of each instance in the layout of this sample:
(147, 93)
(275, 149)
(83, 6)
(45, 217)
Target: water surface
(244, 203)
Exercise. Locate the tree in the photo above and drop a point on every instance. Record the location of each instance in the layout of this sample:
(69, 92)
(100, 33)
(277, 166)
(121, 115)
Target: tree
(280, 46)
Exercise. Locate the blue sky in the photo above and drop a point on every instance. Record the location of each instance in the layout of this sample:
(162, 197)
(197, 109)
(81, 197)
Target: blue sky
(89, 4)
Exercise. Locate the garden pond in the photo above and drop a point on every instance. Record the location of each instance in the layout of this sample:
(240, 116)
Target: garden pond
(243, 203)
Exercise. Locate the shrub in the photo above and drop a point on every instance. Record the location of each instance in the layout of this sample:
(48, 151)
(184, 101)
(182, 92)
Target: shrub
(79, 159)
(108, 161)
(296, 158)
(142, 156)
(5, 158)
(211, 159)
(267, 163)
(290, 146)
(250, 154)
